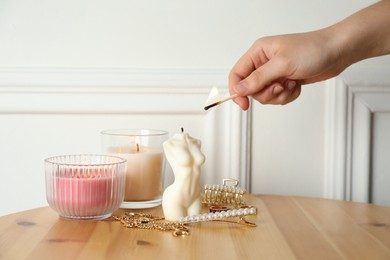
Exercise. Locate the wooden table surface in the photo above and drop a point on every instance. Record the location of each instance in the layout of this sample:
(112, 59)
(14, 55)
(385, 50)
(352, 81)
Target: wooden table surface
(287, 228)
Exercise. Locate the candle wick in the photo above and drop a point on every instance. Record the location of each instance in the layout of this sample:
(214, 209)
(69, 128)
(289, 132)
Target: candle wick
(182, 130)
(137, 148)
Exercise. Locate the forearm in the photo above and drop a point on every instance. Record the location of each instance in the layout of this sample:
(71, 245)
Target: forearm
(364, 34)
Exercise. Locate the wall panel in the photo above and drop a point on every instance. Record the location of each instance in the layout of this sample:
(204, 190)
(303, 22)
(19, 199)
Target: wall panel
(358, 134)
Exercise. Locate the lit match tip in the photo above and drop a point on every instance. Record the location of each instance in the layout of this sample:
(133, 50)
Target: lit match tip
(220, 102)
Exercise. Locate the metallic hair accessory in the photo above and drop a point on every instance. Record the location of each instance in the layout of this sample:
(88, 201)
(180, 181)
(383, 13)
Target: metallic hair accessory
(223, 216)
(214, 209)
(224, 195)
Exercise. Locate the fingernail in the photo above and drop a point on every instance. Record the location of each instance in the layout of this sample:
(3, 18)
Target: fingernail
(277, 90)
(291, 85)
(241, 88)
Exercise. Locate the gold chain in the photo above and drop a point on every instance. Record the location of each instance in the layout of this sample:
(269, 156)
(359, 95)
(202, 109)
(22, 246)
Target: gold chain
(219, 197)
(148, 221)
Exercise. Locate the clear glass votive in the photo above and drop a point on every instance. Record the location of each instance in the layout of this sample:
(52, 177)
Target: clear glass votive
(85, 186)
(144, 154)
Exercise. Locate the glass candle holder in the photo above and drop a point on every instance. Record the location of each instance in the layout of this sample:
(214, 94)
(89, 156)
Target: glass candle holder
(85, 186)
(144, 154)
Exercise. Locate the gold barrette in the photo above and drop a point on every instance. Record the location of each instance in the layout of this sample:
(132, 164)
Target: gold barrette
(224, 195)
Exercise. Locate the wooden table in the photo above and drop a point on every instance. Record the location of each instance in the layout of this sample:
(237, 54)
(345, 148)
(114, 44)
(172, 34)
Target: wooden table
(287, 228)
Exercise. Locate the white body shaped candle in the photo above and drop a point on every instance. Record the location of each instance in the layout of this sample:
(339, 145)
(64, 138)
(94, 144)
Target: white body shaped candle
(183, 197)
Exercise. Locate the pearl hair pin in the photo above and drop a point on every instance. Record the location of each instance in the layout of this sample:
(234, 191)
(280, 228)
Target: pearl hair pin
(223, 216)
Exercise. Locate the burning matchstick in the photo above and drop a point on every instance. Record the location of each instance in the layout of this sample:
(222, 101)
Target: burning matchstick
(220, 102)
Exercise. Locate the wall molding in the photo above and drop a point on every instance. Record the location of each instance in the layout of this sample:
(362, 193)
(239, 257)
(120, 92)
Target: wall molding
(351, 101)
(40, 90)
(335, 139)
(136, 92)
(117, 77)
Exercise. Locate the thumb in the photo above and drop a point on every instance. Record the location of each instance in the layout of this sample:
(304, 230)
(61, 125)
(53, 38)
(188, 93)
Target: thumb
(261, 77)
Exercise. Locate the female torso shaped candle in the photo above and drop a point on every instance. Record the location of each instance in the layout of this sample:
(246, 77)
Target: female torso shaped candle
(183, 197)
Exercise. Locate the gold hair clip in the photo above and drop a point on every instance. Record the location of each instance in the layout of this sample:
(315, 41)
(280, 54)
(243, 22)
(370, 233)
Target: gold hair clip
(224, 195)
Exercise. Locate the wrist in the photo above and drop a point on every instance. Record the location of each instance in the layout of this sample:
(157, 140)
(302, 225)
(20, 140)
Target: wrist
(336, 47)
(364, 34)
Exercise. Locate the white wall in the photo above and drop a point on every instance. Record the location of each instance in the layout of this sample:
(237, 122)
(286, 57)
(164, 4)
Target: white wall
(152, 36)
(153, 33)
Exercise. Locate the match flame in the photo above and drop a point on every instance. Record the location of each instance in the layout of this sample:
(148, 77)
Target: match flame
(214, 96)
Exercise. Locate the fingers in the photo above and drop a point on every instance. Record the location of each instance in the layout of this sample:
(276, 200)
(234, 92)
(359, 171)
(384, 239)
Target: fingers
(261, 77)
(242, 69)
(261, 73)
(242, 102)
(279, 93)
(249, 62)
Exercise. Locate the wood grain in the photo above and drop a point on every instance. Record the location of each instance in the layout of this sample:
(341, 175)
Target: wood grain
(288, 228)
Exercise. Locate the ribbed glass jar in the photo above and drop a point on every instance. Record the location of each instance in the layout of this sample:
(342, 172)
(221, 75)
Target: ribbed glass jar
(85, 186)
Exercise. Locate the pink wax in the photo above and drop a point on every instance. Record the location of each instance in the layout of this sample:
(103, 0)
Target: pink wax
(86, 195)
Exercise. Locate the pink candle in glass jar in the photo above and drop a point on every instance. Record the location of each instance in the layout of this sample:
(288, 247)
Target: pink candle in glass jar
(85, 189)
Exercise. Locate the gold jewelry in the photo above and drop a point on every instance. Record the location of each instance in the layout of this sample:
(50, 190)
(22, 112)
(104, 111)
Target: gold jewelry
(180, 228)
(227, 195)
(148, 221)
(180, 233)
(214, 209)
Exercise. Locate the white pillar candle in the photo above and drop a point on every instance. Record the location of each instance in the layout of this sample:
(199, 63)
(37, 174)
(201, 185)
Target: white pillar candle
(183, 197)
(143, 174)
(142, 148)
